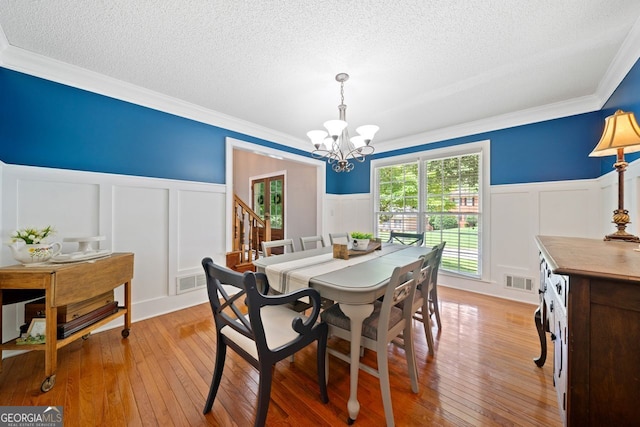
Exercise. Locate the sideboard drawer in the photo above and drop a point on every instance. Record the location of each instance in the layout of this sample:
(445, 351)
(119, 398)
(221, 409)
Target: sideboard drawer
(559, 285)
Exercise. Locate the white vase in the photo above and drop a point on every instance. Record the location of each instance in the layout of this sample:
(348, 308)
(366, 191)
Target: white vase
(360, 244)
(29, 254)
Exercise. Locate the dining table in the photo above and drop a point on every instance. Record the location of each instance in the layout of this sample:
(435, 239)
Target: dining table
(354, 283)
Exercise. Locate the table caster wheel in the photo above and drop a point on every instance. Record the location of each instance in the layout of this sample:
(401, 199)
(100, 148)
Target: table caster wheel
(125, 333)
(48, 383)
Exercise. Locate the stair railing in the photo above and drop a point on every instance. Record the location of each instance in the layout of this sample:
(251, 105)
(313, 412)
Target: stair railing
(249, 230)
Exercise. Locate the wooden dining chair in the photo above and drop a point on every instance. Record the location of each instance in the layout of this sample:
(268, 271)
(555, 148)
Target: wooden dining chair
(343, 238)
(311, 242)
(268, 333)
(285, 244)
(413, 239)
(385, 323)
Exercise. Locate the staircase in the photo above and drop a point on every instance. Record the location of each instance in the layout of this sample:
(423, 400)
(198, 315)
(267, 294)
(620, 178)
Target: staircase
(249, 231)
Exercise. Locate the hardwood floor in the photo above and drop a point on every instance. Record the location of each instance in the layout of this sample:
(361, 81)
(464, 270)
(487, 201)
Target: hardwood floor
(482, 375)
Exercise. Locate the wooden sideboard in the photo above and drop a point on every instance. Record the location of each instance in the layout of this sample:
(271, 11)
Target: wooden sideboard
(66, 284)
(590, 303)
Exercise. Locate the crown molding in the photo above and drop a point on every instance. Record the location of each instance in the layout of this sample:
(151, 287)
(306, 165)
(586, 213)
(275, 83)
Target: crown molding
(60, 72)
(625, 58)
(585, 104)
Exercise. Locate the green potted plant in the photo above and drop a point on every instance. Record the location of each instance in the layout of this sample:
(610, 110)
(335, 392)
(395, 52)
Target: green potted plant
(361, 240)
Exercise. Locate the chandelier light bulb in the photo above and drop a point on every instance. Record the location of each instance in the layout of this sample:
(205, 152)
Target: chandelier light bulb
(367, 132)
(335, 127)
(317, 137)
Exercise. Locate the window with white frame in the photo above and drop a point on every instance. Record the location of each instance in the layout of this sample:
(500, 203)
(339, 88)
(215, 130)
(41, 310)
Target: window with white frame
(438, 196)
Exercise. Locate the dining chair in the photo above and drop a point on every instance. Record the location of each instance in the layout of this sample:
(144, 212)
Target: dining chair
(385, 323)
(343, 238)
(308, 242)
(268, 333)
(414, 239)
(420, 302)
(285, 244)
(434, 306)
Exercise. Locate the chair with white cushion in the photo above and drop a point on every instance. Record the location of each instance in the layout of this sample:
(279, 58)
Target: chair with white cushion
(311, 242)
(270, 332)
(385, 323)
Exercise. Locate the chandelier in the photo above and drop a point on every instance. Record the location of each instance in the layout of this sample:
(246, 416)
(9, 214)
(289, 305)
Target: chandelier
(335, 145)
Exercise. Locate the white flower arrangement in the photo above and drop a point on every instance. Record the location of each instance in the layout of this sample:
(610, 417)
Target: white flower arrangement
(32, 236)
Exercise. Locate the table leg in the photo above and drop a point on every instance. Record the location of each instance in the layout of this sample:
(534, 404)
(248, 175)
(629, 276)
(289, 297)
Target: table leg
(356, 313)
(127, 305)
(51, 341)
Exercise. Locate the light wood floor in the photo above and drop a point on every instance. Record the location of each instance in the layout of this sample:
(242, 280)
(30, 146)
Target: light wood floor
(482, 375)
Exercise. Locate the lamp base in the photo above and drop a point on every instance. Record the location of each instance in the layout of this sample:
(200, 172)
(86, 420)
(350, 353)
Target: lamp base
(624, 236)
(621, 219)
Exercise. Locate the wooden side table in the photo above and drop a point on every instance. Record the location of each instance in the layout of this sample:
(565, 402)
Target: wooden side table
(65, 284)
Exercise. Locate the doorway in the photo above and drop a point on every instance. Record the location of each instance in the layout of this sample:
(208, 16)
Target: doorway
(267, 199)
(304, 187)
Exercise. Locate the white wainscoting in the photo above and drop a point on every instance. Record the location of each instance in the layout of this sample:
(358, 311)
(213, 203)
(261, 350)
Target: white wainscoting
(521, 212)
(352, 212)
(169, 225)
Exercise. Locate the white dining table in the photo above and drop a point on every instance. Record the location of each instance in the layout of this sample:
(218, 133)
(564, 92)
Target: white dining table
(355, 284)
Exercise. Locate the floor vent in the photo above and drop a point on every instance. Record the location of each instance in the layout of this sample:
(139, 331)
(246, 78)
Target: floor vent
(517, 282)
(191, 283)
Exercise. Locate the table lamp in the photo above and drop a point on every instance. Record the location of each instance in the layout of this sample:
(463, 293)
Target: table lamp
(621, 135)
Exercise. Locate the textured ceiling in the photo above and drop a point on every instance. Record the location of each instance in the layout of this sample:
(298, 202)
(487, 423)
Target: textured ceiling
(416, 66)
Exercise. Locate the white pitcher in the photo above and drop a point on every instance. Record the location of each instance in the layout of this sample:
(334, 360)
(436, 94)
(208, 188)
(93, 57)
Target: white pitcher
(34, 253)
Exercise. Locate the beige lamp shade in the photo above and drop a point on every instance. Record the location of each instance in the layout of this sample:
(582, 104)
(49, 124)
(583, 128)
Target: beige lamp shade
(620, 131)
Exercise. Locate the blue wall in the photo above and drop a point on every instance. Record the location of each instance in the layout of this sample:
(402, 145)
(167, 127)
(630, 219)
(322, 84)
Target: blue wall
(47, 124)
(553, 150)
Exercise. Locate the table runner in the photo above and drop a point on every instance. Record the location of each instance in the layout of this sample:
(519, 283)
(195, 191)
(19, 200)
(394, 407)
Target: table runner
(289, 276)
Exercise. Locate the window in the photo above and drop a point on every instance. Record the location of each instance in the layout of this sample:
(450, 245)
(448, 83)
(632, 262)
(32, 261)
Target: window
(448, 182)
(438, 196)
(398, 199)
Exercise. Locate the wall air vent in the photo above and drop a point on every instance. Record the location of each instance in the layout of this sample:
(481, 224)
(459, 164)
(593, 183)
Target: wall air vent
(190, 283)
(517, 282)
